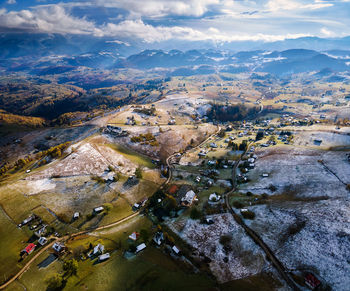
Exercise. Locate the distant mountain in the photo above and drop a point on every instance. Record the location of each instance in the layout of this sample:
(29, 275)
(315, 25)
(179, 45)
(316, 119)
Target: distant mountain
(54, 54)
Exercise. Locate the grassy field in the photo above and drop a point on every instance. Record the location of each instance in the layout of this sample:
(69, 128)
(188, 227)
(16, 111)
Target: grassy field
(133, 156)
(12, 241)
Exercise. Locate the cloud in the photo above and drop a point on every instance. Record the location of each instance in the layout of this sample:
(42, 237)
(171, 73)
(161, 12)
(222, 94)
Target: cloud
(150, 34)
(51, 19)
(278, 5)
(11, 2)
(156, 8)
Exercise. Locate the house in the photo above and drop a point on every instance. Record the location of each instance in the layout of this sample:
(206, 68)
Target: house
(213, 145)
(317, 142)
(41, 231)
(104, 257)
(202, 153)
(251, 160)
(251, 166)
(176, 250)
(209, 221)
(76, 215)
(27, 220)
(210, 183)
(98, 249)
(98, 209)
(188, 199)
(312, 281)
(198, 179)
(173, 189)
(172, 121)
(211, 163)
(136, 206)
(58, 247)
(134, 236)
(214, 197)
(42, 240)
(29, 248)
(109, 177)
(158, 238)
(140, 247)
(265, 175)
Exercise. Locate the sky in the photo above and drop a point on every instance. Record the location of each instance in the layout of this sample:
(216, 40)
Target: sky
(153, 21)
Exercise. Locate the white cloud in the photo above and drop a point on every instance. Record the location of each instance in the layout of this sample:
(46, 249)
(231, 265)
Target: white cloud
(326, 32)
(51, 19)
(278, 5)
(149, 33)
(156, 8)
(11, 2)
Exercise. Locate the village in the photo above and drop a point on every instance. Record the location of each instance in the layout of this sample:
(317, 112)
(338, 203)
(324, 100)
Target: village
(157, 184)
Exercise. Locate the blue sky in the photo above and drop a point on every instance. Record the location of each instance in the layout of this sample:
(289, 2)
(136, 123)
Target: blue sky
(194, 20)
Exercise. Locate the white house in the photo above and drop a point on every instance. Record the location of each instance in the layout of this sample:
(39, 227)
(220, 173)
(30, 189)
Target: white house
(175, 250)
(140, 247)
(98, 209)
(42, 240)
(98, 249)
(188, 198)
(214, 197)
(58, 247)
(104, 257)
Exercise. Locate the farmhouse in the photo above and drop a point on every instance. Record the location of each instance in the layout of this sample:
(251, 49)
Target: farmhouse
(41, 231)
(42, 240)
(27, 220)
(312, 281)
(173, 189)
(189, 198)
(158, 238)
(140, 247)
(29, 248)
(176, 250)
(76, 215)
(58, 247)
(98, 209)
(134, 236)
(98, 249)
(104, 257)
(214, 197)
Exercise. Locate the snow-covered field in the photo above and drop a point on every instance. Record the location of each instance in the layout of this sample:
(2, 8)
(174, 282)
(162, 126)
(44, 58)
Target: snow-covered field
(299, 170)
(307, 223)
(312, 235)
(87, 159)
(244, 260)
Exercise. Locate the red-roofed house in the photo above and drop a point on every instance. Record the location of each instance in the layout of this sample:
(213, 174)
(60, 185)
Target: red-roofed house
(173, 189)
(312, 281)
(30, 248)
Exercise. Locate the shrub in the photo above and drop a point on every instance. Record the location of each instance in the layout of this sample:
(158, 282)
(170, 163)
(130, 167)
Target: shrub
(195, 214)
(97, 179)
(248, 214)
(70, 267)
(264, 196)
(55, 282)
(225, 239)
(138, 173)
(272, 188)
(237, 204)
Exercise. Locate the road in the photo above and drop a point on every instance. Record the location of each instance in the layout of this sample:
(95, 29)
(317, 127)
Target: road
(253, 235)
